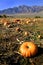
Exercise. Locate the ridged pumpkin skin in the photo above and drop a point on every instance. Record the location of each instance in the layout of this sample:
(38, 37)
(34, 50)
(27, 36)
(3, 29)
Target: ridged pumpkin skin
(28, 49)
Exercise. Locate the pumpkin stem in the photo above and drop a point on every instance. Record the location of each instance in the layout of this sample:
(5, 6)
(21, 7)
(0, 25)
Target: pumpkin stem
(27, 46)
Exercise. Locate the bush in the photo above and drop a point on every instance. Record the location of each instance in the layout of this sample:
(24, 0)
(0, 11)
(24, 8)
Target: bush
(4, 16)
(37, 17)
(0, 16)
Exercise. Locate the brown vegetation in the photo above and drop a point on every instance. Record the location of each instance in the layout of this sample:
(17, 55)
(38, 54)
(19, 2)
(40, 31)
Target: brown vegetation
(15, 31)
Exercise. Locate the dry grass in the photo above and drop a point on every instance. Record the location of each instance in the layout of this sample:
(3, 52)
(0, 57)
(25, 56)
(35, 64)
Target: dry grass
(30, 29)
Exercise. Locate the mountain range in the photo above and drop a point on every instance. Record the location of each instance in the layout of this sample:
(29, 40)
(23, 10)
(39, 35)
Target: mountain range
(22, 9)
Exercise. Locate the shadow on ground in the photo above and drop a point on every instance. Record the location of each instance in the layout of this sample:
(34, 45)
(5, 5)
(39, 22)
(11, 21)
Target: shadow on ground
(40, 51)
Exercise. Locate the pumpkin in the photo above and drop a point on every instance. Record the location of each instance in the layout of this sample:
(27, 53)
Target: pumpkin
(5, 23)
(18, 29)
(26, 33)
(39, 36)
(28, 49)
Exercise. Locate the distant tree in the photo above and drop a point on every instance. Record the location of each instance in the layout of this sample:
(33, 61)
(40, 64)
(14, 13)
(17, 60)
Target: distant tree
(0, 16)
(4, 16)
(37, 17)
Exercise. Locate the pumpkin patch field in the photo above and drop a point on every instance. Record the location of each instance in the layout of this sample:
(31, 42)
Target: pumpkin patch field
(21, 41)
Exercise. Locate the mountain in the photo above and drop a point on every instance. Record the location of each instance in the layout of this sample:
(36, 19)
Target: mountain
(22, 9)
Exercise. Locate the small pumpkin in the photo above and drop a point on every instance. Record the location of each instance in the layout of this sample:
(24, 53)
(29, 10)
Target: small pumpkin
(26, 33)
(39, 36)
(28, 49)
(5, 23)
(18, 29)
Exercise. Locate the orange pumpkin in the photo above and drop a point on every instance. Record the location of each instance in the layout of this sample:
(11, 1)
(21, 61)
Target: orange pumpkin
(39, 36)
(18, 29)
(28, 49)
(26, 33)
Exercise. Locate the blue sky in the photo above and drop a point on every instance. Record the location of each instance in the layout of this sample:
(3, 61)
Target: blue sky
(4, 4)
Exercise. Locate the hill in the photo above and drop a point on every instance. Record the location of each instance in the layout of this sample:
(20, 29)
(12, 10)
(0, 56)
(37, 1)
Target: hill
(22, 9)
